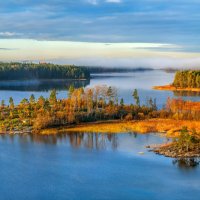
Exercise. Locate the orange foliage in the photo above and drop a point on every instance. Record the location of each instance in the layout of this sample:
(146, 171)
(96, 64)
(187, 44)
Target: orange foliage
(170, 126)
(172, 88)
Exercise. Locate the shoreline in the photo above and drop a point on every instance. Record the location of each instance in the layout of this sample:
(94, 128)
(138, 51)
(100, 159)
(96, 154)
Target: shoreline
(170, 150)
(170, 127)
(172, 88)
(48, 79)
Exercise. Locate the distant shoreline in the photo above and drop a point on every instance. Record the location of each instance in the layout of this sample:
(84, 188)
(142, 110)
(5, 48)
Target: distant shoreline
(172, 88)
(42, 79)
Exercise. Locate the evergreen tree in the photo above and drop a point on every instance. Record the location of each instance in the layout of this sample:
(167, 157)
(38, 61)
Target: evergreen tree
(32, 99)
(53, 98)
(122, 102)
(24, 101)
(11, 102)
(187, 78)
(136, 97)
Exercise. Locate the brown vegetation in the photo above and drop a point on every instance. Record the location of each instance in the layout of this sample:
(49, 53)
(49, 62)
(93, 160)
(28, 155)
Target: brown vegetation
(169, 126)
(173, 88)
(97, 104)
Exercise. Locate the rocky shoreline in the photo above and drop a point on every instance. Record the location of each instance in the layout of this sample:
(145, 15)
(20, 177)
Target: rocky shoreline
(171, 150)
(13, 131)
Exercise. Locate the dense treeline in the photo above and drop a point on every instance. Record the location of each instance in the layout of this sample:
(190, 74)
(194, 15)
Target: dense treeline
(87, 105)
(27, 71)
(187, 79)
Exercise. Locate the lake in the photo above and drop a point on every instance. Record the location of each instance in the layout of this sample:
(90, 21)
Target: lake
(93, 166)
(124, 82)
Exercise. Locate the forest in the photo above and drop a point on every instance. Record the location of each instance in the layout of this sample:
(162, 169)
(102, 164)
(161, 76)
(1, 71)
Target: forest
(28, 71)
(187, 79)
(88, 105)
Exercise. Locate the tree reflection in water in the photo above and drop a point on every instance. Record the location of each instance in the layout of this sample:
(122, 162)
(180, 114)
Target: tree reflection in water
(186, 93)
(186, 163)
(96, 141)
(42, 85)
(93, 140)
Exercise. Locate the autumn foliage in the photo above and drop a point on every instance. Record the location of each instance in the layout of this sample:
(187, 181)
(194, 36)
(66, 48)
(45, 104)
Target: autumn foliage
(89, 105)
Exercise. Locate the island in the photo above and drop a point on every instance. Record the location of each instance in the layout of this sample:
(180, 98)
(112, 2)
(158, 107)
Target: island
(99, 109)
(186, 80)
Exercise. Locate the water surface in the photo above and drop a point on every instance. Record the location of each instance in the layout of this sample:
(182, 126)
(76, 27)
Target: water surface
(124, 82)
(91, 166)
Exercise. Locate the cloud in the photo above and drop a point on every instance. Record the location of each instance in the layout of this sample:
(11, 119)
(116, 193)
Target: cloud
(154, 62)
(8, 34)
(106, 21)
(8, 49)
(98, 54)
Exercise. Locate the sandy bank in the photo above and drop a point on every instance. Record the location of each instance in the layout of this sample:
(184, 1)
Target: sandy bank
(172, 88)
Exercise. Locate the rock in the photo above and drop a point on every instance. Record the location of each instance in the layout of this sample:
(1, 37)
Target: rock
(141, 153)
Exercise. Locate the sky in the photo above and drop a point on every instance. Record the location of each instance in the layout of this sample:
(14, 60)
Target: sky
(117, 33)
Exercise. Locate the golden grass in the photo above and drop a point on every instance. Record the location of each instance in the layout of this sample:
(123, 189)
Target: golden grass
(172, 88)
(169, 126)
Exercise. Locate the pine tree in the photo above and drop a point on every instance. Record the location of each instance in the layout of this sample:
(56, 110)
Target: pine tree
(136, 97)
(122, 102)
(53, 97)
(11, 103)
(32, 99)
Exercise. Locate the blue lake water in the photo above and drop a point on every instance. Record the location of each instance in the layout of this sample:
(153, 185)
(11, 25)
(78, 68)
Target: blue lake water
(124, 82)
(91, 166)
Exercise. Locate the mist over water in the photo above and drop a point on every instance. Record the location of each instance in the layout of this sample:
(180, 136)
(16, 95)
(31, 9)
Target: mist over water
(124, 82)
